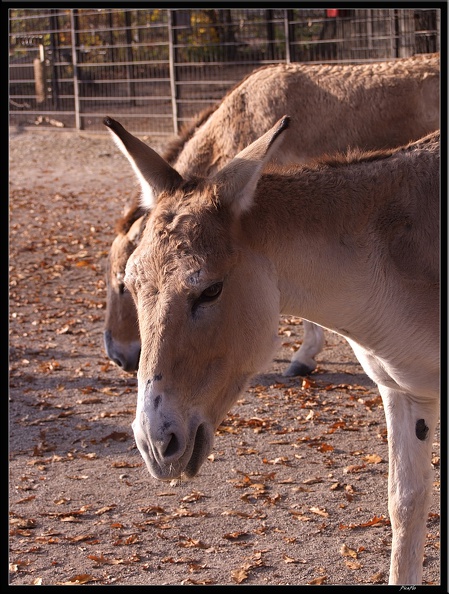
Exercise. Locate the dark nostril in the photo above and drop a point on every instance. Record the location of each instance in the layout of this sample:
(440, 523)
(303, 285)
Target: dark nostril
(117, 362)
(129, 367)
(172, 446)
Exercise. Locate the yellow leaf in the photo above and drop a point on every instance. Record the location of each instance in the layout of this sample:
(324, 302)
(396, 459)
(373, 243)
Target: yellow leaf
(373, 459)
(288, 559)
(239, 575)
(318, 511)
(347, 552)
(319, 580)
(377, 578)
(82, 578)
(353, 468)
(353, 564)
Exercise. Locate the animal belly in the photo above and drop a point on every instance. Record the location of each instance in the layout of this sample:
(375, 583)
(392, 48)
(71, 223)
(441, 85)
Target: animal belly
(374, 368)
(421, 381)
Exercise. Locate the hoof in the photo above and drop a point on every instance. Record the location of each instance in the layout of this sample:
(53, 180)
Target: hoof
(298, 369)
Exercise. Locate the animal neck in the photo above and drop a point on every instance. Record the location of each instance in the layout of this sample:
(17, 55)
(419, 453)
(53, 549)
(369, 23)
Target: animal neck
(313, 226)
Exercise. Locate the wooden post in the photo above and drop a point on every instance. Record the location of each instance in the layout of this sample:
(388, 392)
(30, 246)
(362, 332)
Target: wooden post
(39, 76)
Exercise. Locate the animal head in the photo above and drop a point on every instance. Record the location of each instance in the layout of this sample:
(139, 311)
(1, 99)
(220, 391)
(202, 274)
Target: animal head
(121, 336)
(121, 333)
(208, 308)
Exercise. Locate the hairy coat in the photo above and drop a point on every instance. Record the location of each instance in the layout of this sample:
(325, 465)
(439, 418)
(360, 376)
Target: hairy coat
(333, 107)
(351, 245)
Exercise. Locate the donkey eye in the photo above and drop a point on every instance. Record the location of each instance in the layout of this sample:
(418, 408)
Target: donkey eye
(211, 292)
(122, 288)
(207, 296)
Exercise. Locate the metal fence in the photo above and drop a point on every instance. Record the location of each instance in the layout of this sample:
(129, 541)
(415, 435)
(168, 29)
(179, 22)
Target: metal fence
(155, 69)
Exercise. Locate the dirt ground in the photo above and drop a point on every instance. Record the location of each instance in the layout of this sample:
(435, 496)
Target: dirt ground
(295, 491)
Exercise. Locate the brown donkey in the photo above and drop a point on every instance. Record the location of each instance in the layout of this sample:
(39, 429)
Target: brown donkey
(333, 107)
(352, 245)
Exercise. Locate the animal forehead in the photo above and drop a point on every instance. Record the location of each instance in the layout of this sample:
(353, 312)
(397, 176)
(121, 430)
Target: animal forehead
(191, 223)
(191, 242)
(159, 268)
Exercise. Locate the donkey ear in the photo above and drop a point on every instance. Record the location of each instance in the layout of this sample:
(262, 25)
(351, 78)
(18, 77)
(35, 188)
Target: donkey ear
(239, 178)
(135, 230)
(154, 174)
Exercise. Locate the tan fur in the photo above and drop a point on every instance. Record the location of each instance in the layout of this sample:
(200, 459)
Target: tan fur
(352, 245)
(332, 107)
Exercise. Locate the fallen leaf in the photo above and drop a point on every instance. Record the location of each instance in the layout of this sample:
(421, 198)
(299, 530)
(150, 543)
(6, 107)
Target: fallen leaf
(99, 559)
(319, 511)
(194, 496)
(373, 459)
(378, 577)
(92, 400)
(347, 552)
(239, 575)
(375, 521)
(235, 535)
(153, 509)
(191, 542)
(318, 580)
(353, 564)
(288, 559)
(82, 578)
(354, 468)
(26, 499)
(299, 516)
(311, 481)
(104, 509)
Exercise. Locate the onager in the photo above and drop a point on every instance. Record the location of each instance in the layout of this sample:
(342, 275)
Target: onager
(370, 106)
(351, 245)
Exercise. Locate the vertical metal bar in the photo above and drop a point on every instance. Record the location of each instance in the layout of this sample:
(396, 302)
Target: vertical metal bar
(438, 17)
(406, 37)
(391, 33)
(78, 123)
(287, 37)
(130, 86)
(55, 57)
(270, 34)
(369, 28)
(172, 67)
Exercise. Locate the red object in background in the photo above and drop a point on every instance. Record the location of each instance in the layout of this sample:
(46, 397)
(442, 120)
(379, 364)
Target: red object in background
(332, 12)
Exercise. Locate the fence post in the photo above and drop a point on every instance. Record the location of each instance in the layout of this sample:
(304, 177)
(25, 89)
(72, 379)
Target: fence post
(287, 37)
(76, 95)
(55, 57)
(172, 67)
(438, 17)
(40, 76)
(406, 33)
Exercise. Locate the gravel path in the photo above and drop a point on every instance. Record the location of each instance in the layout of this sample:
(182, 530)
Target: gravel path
(295, 489)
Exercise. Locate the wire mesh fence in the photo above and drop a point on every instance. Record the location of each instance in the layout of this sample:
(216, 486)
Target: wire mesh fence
(156, 68)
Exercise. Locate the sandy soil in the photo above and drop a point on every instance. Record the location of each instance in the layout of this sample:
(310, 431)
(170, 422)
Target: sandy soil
(295, 489)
